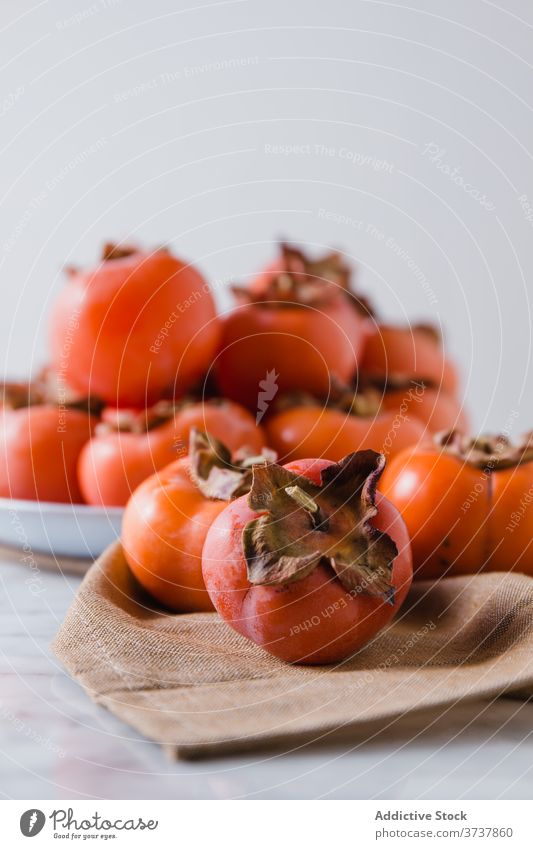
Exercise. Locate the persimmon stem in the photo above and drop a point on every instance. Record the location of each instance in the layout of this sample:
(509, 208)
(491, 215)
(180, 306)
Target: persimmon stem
(305, 501)
(249, 462)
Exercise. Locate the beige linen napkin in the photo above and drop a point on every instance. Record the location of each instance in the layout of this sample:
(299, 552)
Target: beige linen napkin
(194, 685)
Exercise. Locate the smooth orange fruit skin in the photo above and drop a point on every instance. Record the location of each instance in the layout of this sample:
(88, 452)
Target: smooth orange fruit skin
(39, 450)
(304, 346)
(410, 353)
(511, 520)
(231, 423)
(434, 408)
(332, 434)
(164, 527)
(275, 617)
(106, 326)
(112, 465)
(444, 503)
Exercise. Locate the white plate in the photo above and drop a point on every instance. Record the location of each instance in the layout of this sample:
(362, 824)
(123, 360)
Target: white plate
(61, 530)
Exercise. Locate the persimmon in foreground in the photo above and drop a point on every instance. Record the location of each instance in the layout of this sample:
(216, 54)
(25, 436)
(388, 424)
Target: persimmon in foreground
(465, 504)
(168, 516)
(313, 562)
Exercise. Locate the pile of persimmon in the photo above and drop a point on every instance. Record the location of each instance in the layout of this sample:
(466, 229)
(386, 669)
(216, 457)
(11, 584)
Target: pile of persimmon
(138, 355)
(126, 338)
(247, 447)
(339, 380)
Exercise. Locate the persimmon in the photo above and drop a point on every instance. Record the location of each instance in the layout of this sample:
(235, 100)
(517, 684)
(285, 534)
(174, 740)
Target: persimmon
(130, 445)
(311, 429)
(293, 329)
(168, 516)
(396, 355)
(39, 450)
(313, 562)
(299, 425)
(458, 497)
(437, 410)
(137, 323)
(330, 267)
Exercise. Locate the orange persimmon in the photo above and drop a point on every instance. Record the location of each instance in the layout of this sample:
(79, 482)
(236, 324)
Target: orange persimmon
(313, 562)
(437, 410)
(130, 445)
(168, 516)
(395, 354)
(296, 327)
(311, 430)
(460, 498)
(39, 451)
(137, 323)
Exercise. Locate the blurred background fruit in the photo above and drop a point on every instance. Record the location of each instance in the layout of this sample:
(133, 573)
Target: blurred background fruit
(130, 445)
(39, 451)
(134, 325)
(298, 320)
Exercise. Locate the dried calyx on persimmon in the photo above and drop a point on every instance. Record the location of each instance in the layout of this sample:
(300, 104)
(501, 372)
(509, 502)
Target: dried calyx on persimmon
(217, 472)
(489, 452)
(302, 524)
(118, 420)
(294, 278)
(46, 388)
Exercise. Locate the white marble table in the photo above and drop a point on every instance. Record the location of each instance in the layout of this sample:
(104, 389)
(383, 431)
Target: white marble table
(55, 743)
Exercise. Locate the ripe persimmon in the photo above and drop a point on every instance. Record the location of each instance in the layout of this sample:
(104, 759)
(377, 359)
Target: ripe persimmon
(311, 429)
(295, 324)
(130, 445)
(39, 450)
(168, 516)
(330, 267)
(313, 562)
(437, 410)
(137, 323)
(458, 497)
(397, 355)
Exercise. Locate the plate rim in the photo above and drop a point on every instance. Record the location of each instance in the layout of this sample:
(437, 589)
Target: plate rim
(29, 506)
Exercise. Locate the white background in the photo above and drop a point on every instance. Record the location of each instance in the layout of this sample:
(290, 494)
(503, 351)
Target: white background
(154, 120)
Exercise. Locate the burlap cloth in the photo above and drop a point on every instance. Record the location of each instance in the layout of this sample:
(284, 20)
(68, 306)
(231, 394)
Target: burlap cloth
(198, 688)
